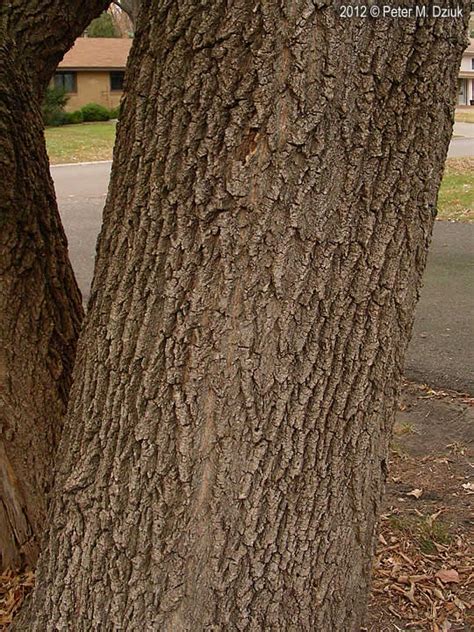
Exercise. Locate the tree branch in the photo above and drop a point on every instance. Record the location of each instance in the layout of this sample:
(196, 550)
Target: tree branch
(39, 33)
(130, 7)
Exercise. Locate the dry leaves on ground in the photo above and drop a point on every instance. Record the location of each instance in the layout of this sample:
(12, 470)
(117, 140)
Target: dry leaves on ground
(13, 589)
(423, 591)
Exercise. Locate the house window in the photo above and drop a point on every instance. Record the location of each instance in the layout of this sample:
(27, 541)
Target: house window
(116, 81)
(472, 62)
(65, 81)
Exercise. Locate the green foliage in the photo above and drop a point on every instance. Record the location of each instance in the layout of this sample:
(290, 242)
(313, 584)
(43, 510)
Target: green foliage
(115, 112)
(75, 117)
(426, 531)
(95, 112)
(52, 107)
(103, 26)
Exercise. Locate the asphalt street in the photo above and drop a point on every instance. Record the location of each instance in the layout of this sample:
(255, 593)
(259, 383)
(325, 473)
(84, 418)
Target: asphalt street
(462, 143)
(81, 191)
(441, 350)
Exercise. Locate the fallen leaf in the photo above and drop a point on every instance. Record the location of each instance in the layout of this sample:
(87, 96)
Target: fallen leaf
(448, 576)
(469, 487)
(438, 594)
(410, 595)
(416, 493)
(433, 517)
(418, 578)
(459, 603)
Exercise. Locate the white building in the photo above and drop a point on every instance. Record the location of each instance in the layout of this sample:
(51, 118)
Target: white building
(466, 77)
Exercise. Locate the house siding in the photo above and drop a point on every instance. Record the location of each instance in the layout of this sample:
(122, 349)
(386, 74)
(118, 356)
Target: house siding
(93, 87)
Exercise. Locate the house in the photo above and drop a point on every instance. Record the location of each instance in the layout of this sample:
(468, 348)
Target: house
(466, 77)
(93, 71)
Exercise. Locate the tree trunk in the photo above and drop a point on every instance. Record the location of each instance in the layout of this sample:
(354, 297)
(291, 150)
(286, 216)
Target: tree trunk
(271, 205)
(40, 304)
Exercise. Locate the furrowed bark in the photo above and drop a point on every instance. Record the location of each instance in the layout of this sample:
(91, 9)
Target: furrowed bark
(40, 304)
(272, 199)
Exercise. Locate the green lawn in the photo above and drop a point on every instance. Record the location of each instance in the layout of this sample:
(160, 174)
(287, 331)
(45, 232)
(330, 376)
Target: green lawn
(80, 143)
(456, 195)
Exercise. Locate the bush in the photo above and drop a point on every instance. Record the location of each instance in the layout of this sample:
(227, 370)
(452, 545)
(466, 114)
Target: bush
(95, 112)
(59, 118)
(75, 117)
(52, 107)
(115, 112)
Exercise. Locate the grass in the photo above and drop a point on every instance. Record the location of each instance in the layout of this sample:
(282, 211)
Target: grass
(426, 531)
(403, 429)
(80, 143)
(456, 195)
(430, 535)
(464, 115)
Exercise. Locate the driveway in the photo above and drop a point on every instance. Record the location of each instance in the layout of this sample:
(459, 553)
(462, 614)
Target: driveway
(441, 350)
(81, 191)
(462, 143)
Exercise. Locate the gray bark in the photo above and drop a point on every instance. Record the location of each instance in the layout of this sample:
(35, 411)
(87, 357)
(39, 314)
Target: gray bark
(272, 199)
(40, 304)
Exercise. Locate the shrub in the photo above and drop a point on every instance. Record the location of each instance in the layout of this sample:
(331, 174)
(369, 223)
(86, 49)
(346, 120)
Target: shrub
(52, 107)
(60, 118)
(75, 117)
(115, 112)
(71, 118)
(95, 112)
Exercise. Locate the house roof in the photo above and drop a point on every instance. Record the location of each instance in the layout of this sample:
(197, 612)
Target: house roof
(97, 53)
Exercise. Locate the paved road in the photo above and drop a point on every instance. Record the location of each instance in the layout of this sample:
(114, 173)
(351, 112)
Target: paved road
(464, 129)
(81, 192)
(441, 351)
(462, 143)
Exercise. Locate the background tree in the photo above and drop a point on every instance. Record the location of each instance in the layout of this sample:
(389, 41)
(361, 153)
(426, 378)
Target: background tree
(103, 26)
(122, 21)
(53, 104)
(272, 199)
(40, 304)
(130, 7)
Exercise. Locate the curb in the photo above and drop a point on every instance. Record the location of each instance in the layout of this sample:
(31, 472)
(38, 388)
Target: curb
(78, 164)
